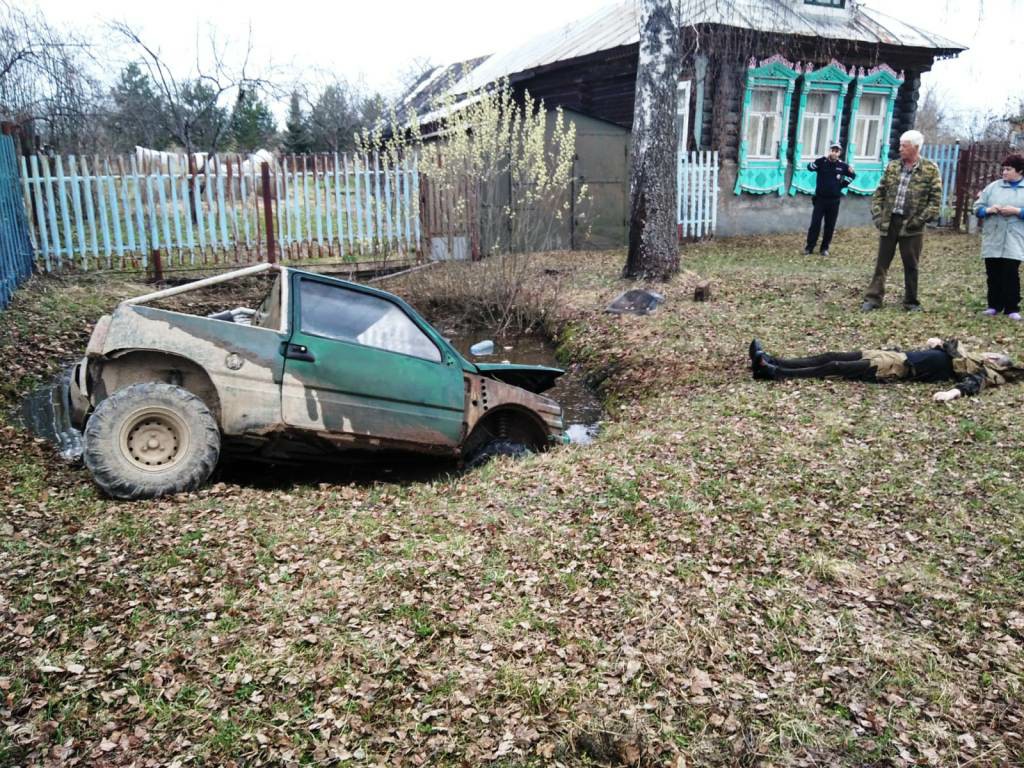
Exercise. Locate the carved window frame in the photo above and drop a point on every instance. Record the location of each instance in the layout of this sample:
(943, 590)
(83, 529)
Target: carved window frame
(883, 81)
(832, 79)
(764, 175)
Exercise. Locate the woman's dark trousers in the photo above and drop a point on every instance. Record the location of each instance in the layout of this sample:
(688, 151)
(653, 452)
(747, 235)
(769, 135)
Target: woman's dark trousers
(1003, 284)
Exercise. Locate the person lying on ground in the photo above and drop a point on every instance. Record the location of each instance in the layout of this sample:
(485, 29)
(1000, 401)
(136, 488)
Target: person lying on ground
(948, 360)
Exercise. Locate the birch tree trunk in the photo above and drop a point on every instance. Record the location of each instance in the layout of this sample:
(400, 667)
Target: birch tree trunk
(653, 247)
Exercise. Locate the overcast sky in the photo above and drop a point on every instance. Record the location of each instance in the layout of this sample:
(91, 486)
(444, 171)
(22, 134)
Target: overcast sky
(374, 43)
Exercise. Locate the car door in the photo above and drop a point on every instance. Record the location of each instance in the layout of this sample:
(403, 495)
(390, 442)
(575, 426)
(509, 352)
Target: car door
(357, 363)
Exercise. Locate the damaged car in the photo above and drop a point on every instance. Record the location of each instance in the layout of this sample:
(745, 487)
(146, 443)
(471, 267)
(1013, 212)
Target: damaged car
(322, 368)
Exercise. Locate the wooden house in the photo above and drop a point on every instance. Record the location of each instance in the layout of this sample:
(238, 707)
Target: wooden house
(768, 84)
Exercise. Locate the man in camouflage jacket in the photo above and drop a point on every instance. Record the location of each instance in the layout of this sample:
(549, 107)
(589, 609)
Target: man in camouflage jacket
(908, 196)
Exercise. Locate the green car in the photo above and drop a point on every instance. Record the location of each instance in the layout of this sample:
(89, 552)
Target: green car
(322, 367)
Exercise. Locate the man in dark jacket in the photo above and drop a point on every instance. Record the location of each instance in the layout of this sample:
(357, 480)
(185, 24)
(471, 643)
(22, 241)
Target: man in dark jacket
(833, 177)
(940, 360)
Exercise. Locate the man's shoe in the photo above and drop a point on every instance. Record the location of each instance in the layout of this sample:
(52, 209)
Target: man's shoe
(913, 308)
(869, 306)
(766, 371)
(824, 252)
(755, 350)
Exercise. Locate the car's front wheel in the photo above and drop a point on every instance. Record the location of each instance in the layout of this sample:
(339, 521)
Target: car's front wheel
(496, 447)
(149, 440)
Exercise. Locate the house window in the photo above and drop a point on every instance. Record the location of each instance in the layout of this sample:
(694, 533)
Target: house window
(827, 3)
(764, 122)
(868, 127)
(682, 116)
(818, 126)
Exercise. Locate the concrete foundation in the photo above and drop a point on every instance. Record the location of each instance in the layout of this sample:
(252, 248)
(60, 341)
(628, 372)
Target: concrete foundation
(748, 214)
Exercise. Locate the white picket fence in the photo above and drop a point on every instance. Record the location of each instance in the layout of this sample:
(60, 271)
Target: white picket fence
(90, 214)
(697, 184)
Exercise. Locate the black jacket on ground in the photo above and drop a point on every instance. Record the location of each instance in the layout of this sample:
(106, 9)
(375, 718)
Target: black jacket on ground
(833, 178)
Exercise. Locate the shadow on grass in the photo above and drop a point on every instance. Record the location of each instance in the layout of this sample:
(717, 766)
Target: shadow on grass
(390, 468)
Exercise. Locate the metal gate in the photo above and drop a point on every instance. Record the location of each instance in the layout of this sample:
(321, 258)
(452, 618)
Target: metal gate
(450, 212)
(15, 245)
(979, 166)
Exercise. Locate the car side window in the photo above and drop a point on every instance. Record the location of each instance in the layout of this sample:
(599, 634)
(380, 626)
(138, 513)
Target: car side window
(338, 313)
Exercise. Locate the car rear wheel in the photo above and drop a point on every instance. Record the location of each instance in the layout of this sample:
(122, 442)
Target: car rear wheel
(149, 440)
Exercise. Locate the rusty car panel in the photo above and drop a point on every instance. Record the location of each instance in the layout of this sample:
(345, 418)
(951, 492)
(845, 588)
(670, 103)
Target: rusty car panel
(243, 362)
(486, 396)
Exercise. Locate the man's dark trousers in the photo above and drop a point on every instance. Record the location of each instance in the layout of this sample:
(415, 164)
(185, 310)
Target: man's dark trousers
(826, 208)
(910, 252)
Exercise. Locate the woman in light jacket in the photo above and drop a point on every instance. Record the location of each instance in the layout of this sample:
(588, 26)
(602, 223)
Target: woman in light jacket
(1001, 207)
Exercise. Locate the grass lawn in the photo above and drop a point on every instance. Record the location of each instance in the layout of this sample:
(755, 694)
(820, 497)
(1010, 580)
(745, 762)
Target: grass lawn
(734, 573)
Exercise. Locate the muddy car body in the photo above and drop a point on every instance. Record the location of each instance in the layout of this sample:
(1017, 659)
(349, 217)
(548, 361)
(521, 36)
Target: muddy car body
(324, 366)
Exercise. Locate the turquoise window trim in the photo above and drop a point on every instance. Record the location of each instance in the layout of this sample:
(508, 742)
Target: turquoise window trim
(883, 81)
(763, 176)
(831, 79)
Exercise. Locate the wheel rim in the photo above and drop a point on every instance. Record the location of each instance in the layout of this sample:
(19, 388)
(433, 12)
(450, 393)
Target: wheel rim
(154, 439)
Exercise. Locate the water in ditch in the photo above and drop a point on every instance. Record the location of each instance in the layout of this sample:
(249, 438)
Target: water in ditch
(45, 412)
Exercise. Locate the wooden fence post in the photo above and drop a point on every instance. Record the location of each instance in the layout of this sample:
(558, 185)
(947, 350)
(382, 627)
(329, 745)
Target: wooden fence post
(268, 213)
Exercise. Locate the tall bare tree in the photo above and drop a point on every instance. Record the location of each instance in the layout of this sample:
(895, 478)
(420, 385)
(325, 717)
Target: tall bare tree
(197, 104)
(45, 85)
(933, 118)
(653, 248)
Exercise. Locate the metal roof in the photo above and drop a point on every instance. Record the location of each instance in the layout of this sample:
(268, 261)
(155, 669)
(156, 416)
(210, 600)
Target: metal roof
(619, 24)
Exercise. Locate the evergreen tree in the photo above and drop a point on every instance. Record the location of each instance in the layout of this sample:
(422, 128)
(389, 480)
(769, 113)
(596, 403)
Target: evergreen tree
(296, 128)
(138, 116)
(202, 122)
(334, 120)
(252, 125)
(372, 111)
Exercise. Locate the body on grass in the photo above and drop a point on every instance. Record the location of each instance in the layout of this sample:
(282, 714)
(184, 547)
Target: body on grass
(939, 360)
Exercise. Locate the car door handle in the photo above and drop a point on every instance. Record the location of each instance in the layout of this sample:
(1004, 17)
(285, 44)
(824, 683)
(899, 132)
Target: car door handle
(298, 352)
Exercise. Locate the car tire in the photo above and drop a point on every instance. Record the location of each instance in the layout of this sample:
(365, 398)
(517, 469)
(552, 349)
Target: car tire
(497, 447)
(150, 440)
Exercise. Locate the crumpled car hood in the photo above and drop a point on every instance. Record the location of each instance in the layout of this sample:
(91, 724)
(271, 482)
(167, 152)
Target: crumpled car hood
(533, 378)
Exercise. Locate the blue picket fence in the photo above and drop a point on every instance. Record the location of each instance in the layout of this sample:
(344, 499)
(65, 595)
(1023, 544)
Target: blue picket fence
(111, 213)
(15, 245)
(946, 156)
